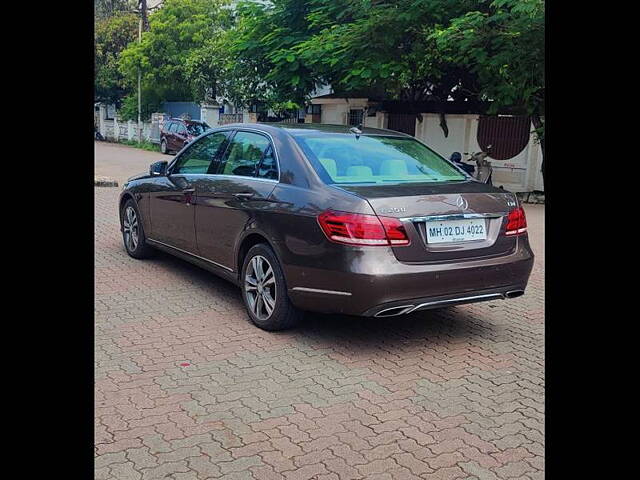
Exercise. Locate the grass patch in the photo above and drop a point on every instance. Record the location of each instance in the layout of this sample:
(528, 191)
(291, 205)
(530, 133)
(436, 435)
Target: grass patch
(145, 145)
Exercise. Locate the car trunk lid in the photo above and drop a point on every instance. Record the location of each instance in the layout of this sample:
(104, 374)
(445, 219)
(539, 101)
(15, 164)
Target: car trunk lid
(421, 206)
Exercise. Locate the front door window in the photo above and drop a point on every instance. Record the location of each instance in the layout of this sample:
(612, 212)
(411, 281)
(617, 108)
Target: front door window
(198, 157)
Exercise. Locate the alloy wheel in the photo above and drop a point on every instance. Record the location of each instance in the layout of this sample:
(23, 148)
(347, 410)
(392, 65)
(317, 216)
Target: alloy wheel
(260, 287)
(130, 227)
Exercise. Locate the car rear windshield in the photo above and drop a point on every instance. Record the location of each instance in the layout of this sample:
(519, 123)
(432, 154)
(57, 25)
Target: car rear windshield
(349, 159)
(196, 129)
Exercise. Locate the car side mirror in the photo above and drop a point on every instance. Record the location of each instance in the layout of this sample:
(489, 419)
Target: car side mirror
(158, 168)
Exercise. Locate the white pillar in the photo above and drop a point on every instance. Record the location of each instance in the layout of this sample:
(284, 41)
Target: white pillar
(102, 116)
(210, 114)
(381, 120)
(130, 132)
(116, 127)
(534, 162)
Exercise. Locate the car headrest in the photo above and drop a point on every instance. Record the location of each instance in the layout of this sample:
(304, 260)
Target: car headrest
(330, 166)
(394, 166)
(359, 171)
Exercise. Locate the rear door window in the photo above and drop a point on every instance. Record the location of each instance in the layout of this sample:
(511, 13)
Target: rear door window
(245, 154)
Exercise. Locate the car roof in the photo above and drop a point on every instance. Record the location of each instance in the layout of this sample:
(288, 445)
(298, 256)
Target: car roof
(297, 129)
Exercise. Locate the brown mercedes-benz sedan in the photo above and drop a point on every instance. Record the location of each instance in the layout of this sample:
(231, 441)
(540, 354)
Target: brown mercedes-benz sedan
(330, 219)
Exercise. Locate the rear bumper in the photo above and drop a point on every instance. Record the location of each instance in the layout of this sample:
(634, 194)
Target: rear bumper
(405, 307)
(377, 281)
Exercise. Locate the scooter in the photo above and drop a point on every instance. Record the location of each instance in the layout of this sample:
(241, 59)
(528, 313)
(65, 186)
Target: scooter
(456, 158)
(484, 170)
(97, 134)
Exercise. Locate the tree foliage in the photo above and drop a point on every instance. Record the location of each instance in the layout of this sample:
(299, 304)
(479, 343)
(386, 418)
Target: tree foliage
(469, 50)
(112, 35)
(378, 47)
(503, 44)
(265, 36)
(177, 56)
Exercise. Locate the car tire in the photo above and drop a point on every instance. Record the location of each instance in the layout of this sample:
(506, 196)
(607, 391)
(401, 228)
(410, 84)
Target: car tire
(266, 312)
(133, 237)
(163, 147)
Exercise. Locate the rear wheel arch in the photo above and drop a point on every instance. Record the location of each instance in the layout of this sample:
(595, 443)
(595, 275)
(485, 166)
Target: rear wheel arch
(251, 239)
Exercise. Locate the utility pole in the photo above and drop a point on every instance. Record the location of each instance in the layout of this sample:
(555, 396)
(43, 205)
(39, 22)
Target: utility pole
(143, 24)
(140, 88)
(144, 15)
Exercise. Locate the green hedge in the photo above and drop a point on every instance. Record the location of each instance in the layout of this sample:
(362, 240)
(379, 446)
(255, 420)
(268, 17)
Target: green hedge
(145, 145)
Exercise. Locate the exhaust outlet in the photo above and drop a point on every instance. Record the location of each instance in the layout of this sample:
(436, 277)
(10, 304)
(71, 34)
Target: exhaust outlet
(514, 293)
(394, 311)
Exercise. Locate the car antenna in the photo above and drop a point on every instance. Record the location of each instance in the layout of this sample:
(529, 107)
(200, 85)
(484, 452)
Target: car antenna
(358, 129)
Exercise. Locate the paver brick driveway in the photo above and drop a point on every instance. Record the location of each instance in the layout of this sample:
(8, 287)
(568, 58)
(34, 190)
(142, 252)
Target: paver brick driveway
(186, 388)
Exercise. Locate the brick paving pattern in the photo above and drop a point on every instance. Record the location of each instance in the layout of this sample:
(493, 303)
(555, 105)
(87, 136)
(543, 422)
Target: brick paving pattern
(186, 388)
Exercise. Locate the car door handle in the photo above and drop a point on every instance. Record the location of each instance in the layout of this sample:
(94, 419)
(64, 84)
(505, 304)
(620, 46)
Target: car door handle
(188, 195)
(244, 195)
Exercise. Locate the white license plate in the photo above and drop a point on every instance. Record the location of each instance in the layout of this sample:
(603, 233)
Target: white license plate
(449, 231)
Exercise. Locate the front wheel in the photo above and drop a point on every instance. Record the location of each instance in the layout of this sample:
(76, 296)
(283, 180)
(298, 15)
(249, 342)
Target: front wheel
(132, 232)
(264, 291)
(163, 147)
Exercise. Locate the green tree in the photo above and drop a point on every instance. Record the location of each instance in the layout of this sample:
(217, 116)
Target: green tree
(267, 71)
(178, 55)
(112, 35)
(129, 106)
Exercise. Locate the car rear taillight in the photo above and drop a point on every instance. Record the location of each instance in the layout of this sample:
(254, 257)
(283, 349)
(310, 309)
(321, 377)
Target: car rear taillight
(516, 222)
(359, 229)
